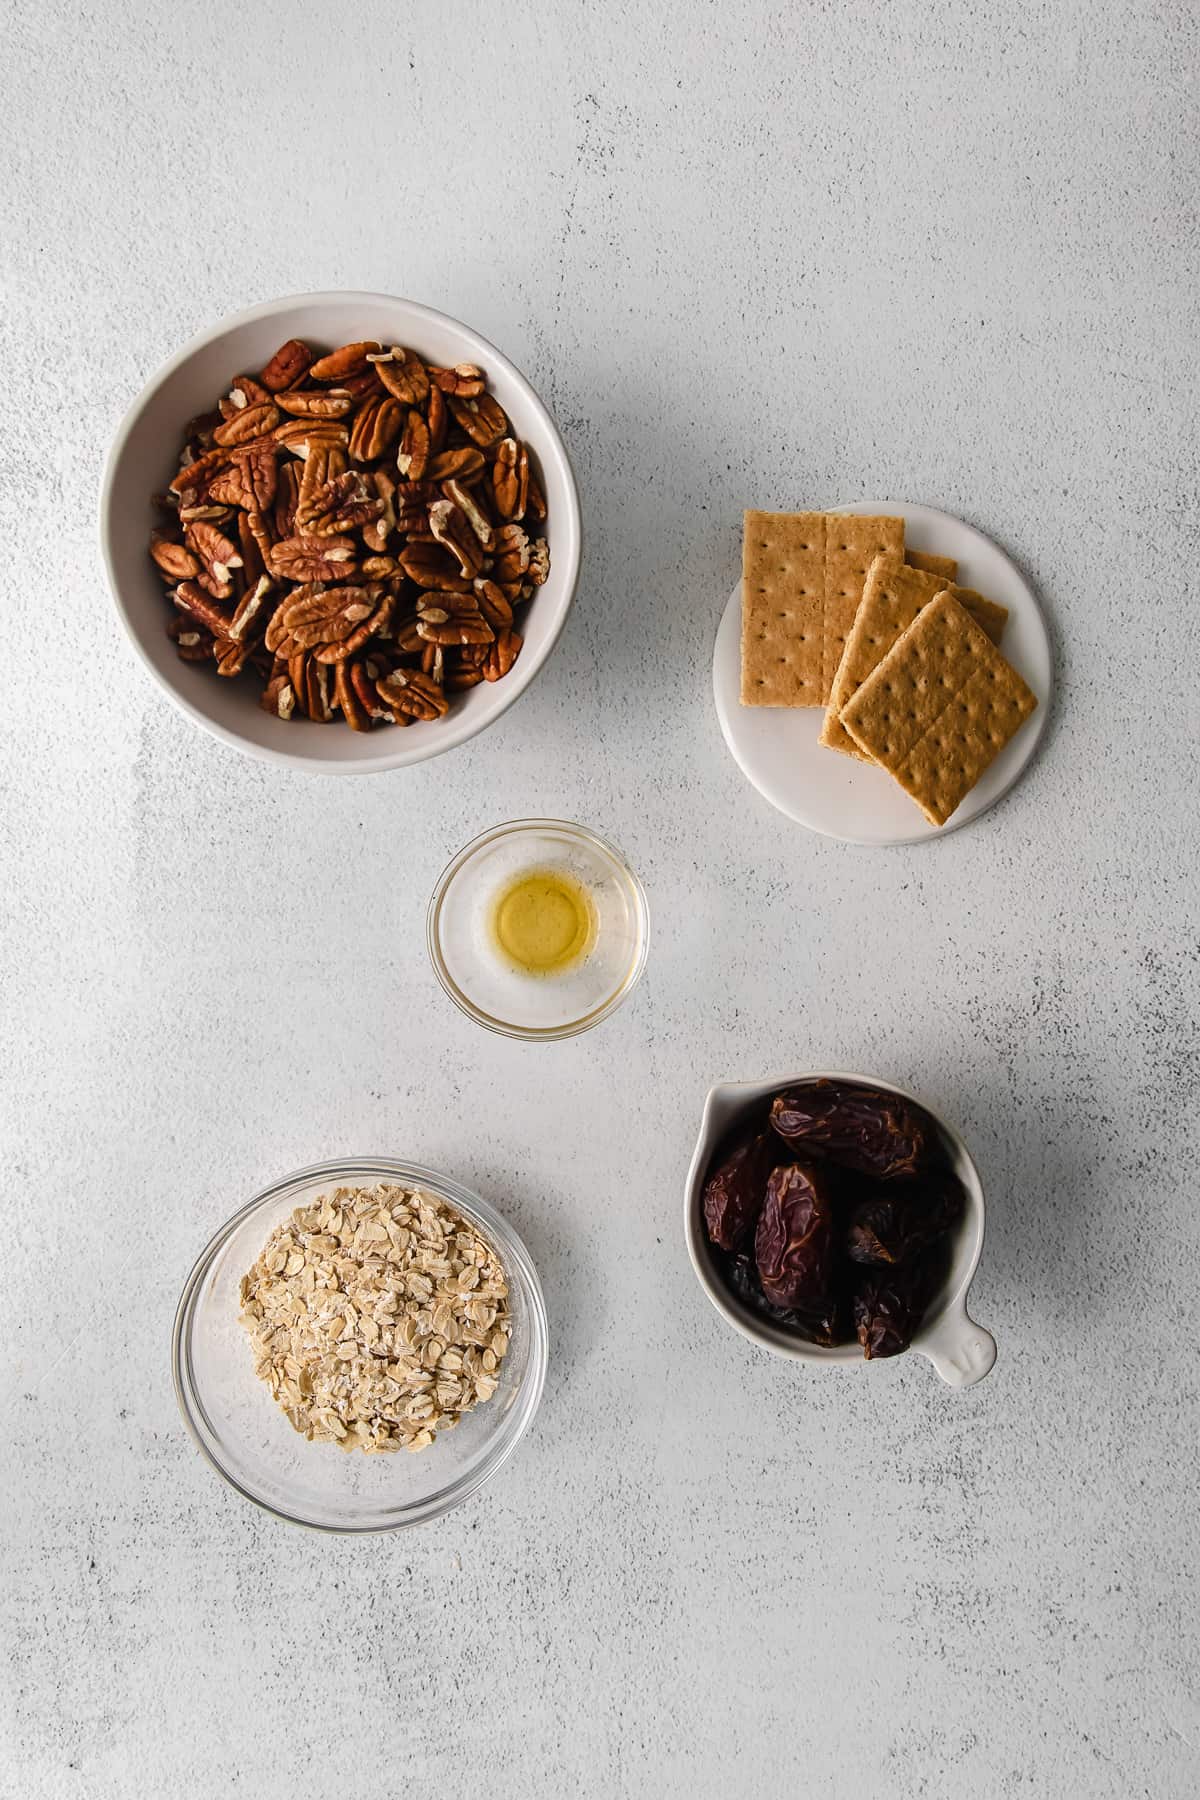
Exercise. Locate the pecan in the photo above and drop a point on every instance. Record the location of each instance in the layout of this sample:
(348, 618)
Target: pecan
(250, 478)
(438, 419)
(493, 604)
(290, 362)
(362, 387)
(250, 612)
(464, 380)
(539, 561)
(311, 682)
(298, 435)
(173, 559)
(412, 515)
(316, 616)
(413, 454)
(216, 515)
(213, 549)
(191, 640)
(432, 567)
(537, 500)
(374, 625)
(377, 568)
(459, 679)
(484, 421)
(245, 391)
(512, 554)
(338, 506)
(471, 510)
(502, 655)
(451, 619)
(230, 655)
(411, 692)
(351, 359)
(345, 695)
(376, 426)
(362, 676)
(253, 541)
(403, 375)
(451, 465)
(193, 480)
(317, 403)
(510, 479)
(279, 697)
(448, 523)
(304, 559)
(251, 422)
(190, 597)
(287, 493)
(376, 532)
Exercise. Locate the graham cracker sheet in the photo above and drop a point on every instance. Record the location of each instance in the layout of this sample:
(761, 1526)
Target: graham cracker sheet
(802, 580)
(892, 598)
(939, 708)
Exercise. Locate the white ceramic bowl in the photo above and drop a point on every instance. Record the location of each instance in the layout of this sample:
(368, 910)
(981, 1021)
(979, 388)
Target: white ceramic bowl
(961, 1351)
(143, 460)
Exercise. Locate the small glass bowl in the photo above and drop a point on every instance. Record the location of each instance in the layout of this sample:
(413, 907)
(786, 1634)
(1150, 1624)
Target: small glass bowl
(537, 1007)
(243, 1432)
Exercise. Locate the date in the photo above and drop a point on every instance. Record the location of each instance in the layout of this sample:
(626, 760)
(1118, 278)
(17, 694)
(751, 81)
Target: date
(892, 1227)
(825, 1323)
(794, 1237)
(889, 1304)
(863, 1129)
(734, 1193)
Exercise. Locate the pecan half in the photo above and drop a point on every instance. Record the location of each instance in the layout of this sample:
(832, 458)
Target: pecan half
(287, 493)
(403, 374)
(471, 510)
(304, 559)
(279, 697)
(512, 553)
(245, 391)
(190, 597)
(217, 554)
(484, 421)
(493, 604)
(412, 692)
(191, 639)
(250, 478)
(451, 619)
(291, 361)
(173, 559)
(299, 435)
(502, 655)
(464, 379)
(510, 479)
(412, 458)
(374, 625)
(449, 526)
(377, 425)
(350, 359)
(251, 612)
(251, 422)
(317, 403)
(315, 616)
(451, 465)
(432, 567)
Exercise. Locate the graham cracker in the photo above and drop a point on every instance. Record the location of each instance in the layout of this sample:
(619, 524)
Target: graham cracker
(802, 580)
(939, 708)
(945, 566)
(893, 596)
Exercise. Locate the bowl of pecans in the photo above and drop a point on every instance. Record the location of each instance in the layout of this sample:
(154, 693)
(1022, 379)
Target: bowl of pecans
(342, 531)
(361, 1346)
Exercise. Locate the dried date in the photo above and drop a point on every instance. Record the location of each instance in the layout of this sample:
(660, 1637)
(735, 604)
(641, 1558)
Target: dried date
(794, 1237)
(892, 1227)
(864, 1129)
(890, 1303)
(734, 1193)
(823, 1323)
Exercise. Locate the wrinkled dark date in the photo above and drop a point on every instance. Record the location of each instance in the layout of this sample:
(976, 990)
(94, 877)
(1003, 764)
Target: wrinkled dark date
(824, 1323)
(889, 1304)
(734, 1193)
(864, 1129)
(794, 1238)
(893, 1226)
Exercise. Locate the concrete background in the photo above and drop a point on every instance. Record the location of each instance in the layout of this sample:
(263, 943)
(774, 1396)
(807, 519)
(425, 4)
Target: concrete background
(748, 254)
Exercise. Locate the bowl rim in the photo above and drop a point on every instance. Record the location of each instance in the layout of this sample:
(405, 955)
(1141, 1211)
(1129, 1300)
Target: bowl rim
(514, 1255)
(527, 670)
(527, 1033)
(949, 1304)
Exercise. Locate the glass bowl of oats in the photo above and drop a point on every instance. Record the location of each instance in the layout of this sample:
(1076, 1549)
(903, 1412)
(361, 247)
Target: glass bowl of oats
(361, 1346)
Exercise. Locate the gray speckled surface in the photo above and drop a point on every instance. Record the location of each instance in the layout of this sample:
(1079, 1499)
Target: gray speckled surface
(748, 254)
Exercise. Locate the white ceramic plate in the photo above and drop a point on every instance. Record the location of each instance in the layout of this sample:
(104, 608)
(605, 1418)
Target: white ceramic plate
(776, 748)
(143, 459)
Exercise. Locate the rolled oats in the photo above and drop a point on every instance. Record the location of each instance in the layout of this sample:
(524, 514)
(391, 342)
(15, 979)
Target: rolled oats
(378, 1318)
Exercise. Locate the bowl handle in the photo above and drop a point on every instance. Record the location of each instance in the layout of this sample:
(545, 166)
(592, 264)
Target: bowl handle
(961, 1351)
